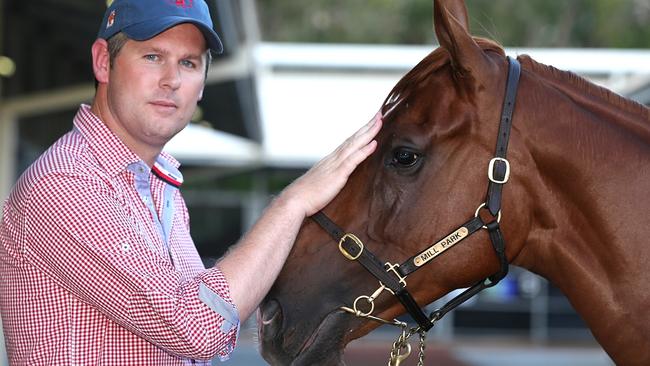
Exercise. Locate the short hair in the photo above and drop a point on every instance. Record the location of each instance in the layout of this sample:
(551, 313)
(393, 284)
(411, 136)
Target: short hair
(116, 42)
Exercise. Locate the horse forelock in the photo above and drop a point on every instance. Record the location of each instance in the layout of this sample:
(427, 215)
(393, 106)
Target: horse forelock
(435, 60)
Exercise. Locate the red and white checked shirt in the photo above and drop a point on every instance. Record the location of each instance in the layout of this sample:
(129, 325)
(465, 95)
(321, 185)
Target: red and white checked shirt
(97, 266)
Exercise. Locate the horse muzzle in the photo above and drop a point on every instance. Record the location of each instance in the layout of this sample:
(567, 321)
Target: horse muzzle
(284, 344)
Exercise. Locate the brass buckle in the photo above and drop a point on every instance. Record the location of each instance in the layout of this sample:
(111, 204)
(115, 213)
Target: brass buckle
(491, 171)
(356, 240)
(392, 267)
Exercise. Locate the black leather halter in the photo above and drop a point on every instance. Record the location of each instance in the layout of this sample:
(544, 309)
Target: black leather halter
(393, 276)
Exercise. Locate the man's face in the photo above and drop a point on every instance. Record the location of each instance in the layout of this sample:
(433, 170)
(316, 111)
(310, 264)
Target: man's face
(154, 85)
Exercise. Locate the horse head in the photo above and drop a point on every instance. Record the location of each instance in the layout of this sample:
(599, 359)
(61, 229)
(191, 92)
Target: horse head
(427, 175)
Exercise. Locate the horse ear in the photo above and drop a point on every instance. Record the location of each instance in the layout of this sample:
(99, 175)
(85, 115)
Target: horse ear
(452, 29)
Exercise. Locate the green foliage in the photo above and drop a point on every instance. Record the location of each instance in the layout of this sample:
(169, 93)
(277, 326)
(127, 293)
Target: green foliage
(514, 23)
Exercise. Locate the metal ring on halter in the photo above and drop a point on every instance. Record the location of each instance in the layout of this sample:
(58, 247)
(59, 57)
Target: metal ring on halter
(479, 209)
(370, 301)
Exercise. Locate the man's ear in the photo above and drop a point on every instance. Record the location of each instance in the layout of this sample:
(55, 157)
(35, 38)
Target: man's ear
(101, 60)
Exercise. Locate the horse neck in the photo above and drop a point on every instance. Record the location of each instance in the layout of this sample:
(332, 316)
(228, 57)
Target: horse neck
(603, 105)
(584, 155)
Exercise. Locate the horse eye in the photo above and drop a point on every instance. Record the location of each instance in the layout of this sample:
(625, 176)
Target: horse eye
(405, 158)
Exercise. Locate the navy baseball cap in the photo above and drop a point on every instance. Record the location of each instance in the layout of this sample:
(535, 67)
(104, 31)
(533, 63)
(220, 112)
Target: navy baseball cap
(144, 19)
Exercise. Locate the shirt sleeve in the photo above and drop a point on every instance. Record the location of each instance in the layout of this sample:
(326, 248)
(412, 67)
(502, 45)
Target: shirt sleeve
(80, 234)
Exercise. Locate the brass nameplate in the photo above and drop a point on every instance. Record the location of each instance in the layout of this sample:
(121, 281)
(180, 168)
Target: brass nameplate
(439, 247)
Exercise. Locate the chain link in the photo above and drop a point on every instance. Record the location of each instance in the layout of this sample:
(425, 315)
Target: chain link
(401, 343)
(401, 349)
(423, 335)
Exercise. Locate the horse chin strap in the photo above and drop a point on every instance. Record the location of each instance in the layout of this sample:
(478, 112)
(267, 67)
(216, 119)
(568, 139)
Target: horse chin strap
(392, 277)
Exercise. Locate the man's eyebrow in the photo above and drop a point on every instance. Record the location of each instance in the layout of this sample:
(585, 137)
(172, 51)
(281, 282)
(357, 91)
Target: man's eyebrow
(153, 49)
(193, 56)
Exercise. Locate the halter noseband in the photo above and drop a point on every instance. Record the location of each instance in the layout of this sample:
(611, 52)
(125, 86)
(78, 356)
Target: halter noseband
(392, 277)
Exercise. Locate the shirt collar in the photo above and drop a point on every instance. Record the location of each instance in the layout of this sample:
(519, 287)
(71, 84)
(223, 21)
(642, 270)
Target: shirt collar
(167, 170)
(114, 155)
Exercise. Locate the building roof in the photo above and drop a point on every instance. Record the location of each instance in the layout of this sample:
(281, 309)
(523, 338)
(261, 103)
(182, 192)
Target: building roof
(313, 96)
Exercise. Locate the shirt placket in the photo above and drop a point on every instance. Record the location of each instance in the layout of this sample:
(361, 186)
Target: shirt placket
(142, 184)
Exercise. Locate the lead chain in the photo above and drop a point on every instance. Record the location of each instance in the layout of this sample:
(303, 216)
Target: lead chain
(423, 334)
(396, 355)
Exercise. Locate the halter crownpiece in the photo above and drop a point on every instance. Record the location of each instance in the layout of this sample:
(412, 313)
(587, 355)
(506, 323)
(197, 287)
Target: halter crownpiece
(392, 277)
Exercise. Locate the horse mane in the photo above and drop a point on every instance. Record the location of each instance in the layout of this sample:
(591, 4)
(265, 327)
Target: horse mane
(577, 85)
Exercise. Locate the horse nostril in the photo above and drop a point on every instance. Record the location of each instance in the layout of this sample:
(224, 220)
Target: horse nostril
(271, 318)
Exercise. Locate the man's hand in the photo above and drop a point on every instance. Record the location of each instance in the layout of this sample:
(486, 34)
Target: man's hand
(253, 265)
(318, 186)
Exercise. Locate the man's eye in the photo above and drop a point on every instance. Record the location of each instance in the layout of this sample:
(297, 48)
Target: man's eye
(151, 57)
(188, 64)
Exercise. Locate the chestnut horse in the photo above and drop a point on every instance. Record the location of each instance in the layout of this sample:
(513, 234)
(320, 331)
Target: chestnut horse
(573, 207)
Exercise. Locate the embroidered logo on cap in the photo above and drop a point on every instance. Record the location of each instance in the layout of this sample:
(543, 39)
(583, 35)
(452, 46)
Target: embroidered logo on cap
(111, 19)
(184, 3)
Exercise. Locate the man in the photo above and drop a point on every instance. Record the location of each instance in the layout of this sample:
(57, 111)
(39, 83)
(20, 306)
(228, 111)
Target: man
(97, 266)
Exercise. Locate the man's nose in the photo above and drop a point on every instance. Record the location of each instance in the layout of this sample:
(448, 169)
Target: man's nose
(171, 77)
